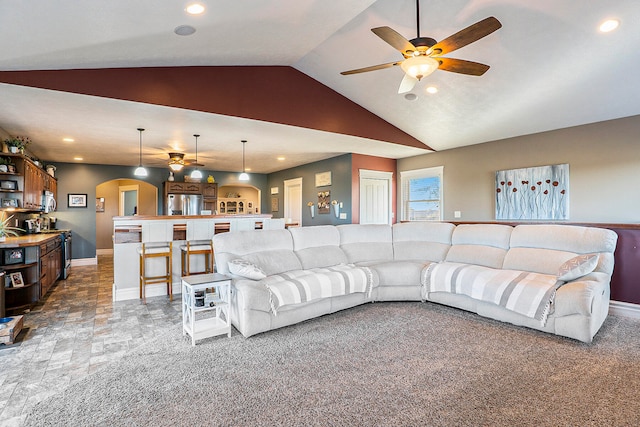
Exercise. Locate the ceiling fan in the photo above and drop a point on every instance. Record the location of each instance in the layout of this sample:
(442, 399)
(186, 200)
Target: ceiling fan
(177, 162)
(423, 55)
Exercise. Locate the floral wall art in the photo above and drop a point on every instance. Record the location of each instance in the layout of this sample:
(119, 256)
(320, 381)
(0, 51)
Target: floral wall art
(533, 193)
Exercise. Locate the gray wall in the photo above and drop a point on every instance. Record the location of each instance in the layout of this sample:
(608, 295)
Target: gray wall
(83, 179)
(604, 170)
(340, 188)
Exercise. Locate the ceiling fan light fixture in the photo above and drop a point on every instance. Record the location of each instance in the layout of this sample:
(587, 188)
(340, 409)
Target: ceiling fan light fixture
(419, 66)
(175, 166)
(176, 161)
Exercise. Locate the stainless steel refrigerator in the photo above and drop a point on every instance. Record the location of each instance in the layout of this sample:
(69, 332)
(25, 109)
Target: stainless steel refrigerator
(184, 204)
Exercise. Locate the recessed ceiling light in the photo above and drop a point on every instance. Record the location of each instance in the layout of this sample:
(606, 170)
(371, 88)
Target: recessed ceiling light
(78, 159)
(281, 158)
(195, 9)
(432, 89)
(609, 25)
(68, 139)
(410, 96)
(184, 30)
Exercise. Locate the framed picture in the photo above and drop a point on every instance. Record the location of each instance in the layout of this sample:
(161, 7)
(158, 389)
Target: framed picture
(76, 200)
(16, 279)
(9, 203)
(99, 204)
(274, 204)
(275, 190)
(323, 179)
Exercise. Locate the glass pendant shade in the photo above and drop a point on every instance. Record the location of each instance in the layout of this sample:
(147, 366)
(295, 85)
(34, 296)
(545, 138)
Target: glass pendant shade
(419, 66)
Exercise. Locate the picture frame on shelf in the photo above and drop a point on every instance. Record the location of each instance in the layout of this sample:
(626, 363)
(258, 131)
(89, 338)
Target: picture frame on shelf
(10, 203)
(16, 279)
(99, 204)
(75, 200)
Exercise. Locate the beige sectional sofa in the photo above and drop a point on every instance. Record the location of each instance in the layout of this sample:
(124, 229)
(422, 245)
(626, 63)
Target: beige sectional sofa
(513, 274)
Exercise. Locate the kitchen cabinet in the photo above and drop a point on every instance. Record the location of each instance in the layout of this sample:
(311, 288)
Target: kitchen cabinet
(31, 181)
(210, 197)
(37, 264)
(50, 264)
(172, 187)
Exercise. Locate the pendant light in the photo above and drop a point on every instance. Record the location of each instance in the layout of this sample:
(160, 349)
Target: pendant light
(196, 174)
(140, 171)
(244, 176)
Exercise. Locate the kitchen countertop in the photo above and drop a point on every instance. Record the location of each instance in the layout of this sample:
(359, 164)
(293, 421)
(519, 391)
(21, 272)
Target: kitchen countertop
(28, 240)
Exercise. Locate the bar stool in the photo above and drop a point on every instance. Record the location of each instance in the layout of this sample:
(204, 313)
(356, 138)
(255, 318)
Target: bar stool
(196, 247)
(155, 250)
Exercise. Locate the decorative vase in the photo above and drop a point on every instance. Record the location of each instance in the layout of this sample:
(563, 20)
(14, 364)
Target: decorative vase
(313, 210)
(13, 149)
(5, 148)
(336, 209)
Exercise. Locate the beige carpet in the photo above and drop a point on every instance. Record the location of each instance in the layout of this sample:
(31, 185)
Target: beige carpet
(382, 364)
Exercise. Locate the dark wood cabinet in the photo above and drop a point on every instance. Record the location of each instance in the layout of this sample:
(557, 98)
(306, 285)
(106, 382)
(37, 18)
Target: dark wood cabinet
(31, 181)
(50, 264)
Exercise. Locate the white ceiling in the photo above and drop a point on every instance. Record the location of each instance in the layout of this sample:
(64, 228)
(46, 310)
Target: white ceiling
(550, 69)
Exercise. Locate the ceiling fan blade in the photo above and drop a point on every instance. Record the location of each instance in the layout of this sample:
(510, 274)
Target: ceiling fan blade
(372, 68)
(395, 39)
(466, 36)
(462, 66)
(407, 84)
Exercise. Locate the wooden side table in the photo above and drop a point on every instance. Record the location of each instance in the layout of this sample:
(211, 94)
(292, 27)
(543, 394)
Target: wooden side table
(205, 306)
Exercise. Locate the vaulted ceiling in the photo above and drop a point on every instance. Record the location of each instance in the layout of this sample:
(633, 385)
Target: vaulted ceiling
(269, 72)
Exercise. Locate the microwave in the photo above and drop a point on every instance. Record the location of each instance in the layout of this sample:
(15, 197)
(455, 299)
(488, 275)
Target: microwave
(7, 184)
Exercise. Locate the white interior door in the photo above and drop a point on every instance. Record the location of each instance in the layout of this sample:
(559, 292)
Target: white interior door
(128, 201)
(293, 200)
(375, 197)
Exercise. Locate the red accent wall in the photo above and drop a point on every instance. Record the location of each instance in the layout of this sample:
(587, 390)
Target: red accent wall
(276, 94)
(361, 161)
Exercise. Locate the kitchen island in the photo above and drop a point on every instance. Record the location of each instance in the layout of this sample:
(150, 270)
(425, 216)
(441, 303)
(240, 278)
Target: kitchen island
(130, 231)
(32, 264)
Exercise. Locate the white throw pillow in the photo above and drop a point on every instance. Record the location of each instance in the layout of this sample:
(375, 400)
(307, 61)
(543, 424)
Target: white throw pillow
(246, 269)
(577, 266)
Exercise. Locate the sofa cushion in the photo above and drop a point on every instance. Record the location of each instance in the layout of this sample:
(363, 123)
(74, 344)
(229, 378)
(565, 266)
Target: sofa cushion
(399, 273)
(302, 286)
(480, 244)
(577, 266)
(270, 250)
(244, 268)
(526, 293)
(275, 261)
(318, 246)
(422, 240)
(544, 248)
(366, 242)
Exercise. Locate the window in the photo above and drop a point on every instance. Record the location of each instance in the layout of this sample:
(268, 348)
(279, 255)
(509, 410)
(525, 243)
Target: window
(422, 194)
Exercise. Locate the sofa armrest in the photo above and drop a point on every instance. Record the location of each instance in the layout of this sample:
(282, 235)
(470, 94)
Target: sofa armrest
(250, 294)
(577, 297)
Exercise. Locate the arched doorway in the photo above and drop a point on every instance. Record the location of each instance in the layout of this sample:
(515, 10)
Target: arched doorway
(138, 194)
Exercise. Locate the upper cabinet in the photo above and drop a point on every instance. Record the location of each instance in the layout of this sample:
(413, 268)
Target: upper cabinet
(23, 189)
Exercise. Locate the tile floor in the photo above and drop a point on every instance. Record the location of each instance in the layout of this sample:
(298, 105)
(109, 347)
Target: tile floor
(73, 331)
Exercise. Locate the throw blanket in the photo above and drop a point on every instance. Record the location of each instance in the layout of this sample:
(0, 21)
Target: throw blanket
(529, 294)
(299, 286)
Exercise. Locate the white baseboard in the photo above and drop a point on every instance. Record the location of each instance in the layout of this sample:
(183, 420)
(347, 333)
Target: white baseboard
(104, 251)
(619, 308)
(154, 290)
(84, 261)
